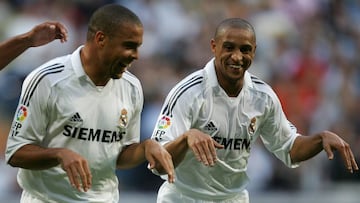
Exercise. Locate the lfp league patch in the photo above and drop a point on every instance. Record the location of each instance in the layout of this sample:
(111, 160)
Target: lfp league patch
(21, 114)
(164, 123)
(20, 117)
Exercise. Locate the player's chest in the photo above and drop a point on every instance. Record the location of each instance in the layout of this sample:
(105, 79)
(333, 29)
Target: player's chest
(104, 108)
(230, 118)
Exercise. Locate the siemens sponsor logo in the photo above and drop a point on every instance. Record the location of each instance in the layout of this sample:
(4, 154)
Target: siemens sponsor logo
(233, 144)
(89, 134)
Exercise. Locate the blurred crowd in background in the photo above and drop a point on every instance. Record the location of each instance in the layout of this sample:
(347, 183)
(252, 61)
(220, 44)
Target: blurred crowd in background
(308, 51)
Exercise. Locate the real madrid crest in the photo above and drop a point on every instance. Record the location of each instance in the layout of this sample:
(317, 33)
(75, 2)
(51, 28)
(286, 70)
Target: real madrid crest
(123, 120)
(252, 126)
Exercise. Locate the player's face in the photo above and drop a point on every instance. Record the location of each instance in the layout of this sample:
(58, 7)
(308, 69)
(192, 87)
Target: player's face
(122, 49)
(234, 51)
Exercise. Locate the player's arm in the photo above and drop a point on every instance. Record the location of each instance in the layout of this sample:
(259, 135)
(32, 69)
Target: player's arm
(201, 144)
(150, 150)
(306, 147)
(177, 148)
(39, 35)
(34, 157)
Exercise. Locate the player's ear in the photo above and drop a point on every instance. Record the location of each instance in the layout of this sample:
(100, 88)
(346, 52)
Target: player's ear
(100, 38)
(213, 45)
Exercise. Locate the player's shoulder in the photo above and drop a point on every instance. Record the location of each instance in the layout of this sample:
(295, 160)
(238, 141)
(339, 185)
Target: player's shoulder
(52, 71)
(132, 80)
(186, 94)
(191, 85)
(261, 87)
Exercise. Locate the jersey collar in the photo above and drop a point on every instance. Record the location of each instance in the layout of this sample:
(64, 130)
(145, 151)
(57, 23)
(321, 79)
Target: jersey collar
(76, 63)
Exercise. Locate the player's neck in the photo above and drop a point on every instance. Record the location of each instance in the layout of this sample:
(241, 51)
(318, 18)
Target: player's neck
(92, 68)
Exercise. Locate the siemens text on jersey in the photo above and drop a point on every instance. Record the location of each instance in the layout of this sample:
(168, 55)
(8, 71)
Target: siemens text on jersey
(233, 144)
(90, 134)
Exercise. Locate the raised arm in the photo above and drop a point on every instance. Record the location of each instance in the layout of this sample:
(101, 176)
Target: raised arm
(39, 35)
(306, 147)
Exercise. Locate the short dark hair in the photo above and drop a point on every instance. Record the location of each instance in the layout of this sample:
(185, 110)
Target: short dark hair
(109, 17)
(234, 23)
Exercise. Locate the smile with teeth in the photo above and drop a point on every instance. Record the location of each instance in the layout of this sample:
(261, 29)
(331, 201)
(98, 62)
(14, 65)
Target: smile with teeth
(235, 66)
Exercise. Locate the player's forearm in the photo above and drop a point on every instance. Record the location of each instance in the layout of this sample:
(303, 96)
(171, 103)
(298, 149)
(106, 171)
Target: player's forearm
(12, 48)
(177, 150)
(35, 157)
(306, 147)
(131, 156)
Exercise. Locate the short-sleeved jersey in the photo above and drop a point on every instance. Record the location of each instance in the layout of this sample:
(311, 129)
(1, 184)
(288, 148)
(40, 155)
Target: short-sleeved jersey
(199, 102)
(61, 107)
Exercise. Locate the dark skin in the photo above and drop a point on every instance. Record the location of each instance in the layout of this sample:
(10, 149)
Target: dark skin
(234, 50)
(39, 35)
(108, 57)
(103, 57)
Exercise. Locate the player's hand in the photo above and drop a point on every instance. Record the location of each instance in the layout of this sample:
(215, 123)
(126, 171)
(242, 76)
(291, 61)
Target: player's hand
(47, 32)
(157, 155)
(76, 168)
(331, 142)
(203, 146)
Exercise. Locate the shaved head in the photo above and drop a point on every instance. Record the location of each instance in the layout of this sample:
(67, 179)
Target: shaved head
(108, 19)
(233, 23)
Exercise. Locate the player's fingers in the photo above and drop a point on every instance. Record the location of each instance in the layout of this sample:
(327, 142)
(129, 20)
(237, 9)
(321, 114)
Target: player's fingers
(62, 37)
(213, 149)
(151, 162)
(89, 178)
(169, 168)
(217, 145)
(62, 28)
(352, 165)
(61, 31)
(82, 178)
(71, 178)
(348, 160)
(171, 176)
(75, 177)
(353, 161)
(196, 152)
(86, 176)
(205, 154)
(213, 154)
(210, 153)
(329, 152)
(166, 163)
(343, 149)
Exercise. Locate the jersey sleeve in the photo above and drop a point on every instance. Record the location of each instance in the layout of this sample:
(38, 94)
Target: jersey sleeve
(135, 122)
(278, 134)
(30, 119)
(174, 119)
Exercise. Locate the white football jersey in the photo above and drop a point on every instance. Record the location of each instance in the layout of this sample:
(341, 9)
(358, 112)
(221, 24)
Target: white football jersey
(199, 102)
(61, 107)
